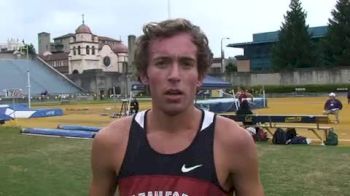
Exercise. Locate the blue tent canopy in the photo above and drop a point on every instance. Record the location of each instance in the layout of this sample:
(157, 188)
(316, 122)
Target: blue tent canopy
(209, 82)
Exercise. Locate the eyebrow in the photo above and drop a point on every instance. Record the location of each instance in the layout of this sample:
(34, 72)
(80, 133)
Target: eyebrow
(187, 58)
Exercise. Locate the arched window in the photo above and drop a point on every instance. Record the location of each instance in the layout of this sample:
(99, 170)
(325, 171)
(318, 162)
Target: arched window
(93, 50)
(87, 49)
(75, 71)
(79, 50)
(74, 52)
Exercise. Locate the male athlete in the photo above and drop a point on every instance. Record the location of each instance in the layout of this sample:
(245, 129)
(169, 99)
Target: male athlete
(174, 149)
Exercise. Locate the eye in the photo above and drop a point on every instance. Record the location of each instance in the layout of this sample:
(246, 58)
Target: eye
(161, 63)
(188, 63)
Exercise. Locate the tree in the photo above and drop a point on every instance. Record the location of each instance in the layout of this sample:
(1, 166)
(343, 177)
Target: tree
(337, 41)
(294, 48)
(231, 66)
(29, 47)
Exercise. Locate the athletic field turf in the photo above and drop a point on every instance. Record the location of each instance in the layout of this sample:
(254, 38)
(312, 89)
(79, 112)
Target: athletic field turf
(42, 166)
(99, 114)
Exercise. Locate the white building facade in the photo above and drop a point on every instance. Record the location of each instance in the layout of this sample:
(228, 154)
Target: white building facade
(96, 63)
(88, 52)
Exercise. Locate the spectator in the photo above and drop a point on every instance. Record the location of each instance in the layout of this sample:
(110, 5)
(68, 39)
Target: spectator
(244, 110)
(332, 106)
(134, 106)
(44, 95)
(243, 94)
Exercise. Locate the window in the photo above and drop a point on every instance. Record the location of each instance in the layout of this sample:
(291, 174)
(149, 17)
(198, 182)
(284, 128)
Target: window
(79, 50)
(74, 52)
(93, 50)
(107, 61)
(87, 49)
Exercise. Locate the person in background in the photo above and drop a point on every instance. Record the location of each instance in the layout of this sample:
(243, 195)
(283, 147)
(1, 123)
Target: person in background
(252, 132)
(244, 110)
(134, 106)
(332, 106)
(257, 132)
(174, 148)
(348, 96)
(243, 94)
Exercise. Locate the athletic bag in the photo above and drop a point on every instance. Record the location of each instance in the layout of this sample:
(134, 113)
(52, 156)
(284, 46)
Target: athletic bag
(332, 138)
(298, 140)
(279, 137)
(291, 133)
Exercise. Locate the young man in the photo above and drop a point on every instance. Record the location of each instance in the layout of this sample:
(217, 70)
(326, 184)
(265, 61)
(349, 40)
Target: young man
(174, 148)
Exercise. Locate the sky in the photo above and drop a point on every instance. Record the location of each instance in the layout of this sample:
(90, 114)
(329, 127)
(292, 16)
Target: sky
(223, 21)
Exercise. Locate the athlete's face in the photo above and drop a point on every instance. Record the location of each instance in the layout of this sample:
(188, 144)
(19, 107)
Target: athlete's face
(172, 73)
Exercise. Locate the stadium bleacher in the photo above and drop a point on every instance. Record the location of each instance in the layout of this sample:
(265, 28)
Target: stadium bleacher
(13, 75)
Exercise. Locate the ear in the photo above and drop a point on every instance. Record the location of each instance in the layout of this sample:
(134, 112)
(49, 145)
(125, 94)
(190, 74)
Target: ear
(199, 82)
(144, 79)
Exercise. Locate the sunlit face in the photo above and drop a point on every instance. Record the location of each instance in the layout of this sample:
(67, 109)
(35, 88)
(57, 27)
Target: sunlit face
(172, 73)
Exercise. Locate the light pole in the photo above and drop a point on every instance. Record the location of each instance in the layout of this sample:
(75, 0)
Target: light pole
(169, 11)
(223, 54)
(28, 75)
(125, 69)
(29, 94)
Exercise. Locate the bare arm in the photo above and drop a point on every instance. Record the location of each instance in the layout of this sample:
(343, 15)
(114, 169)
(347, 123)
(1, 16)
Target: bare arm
(107, 154)
(237, 152)
(340, 105)
(245, 176)
(103, 176)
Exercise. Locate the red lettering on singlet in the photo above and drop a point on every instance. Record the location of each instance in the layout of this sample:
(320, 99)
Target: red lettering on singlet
(163, 185)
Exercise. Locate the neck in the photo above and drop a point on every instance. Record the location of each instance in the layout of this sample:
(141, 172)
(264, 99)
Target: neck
(186, 120)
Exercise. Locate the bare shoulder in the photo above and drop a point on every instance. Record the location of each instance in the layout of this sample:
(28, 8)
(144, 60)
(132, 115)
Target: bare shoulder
(229, 134)
(233, 141)
(107, 154)
(110, 142)
(115, 132)
(236, 158)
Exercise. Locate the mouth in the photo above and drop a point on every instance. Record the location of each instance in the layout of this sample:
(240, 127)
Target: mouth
(173, 94)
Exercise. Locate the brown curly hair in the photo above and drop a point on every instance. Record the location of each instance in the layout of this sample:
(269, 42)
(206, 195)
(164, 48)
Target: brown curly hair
(170, 28)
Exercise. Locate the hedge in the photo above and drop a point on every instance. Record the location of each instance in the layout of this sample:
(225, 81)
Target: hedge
(311, 88)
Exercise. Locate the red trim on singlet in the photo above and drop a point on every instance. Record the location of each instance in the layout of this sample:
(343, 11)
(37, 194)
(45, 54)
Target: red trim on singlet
(145, 172)
(165, 185)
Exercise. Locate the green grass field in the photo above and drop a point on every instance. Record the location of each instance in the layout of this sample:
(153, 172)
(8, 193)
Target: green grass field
(42, 165)
(45, 166)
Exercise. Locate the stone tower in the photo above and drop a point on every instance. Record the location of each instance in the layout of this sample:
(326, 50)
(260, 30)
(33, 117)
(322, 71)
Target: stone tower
(43, 42)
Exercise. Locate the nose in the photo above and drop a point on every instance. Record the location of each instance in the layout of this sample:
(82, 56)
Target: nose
(174, 73)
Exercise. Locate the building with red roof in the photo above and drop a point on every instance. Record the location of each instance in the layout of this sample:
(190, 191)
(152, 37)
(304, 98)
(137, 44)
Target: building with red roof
(94, 62)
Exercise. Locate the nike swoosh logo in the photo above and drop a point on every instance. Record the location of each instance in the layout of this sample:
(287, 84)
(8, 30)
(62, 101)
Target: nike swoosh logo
(185, 169)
